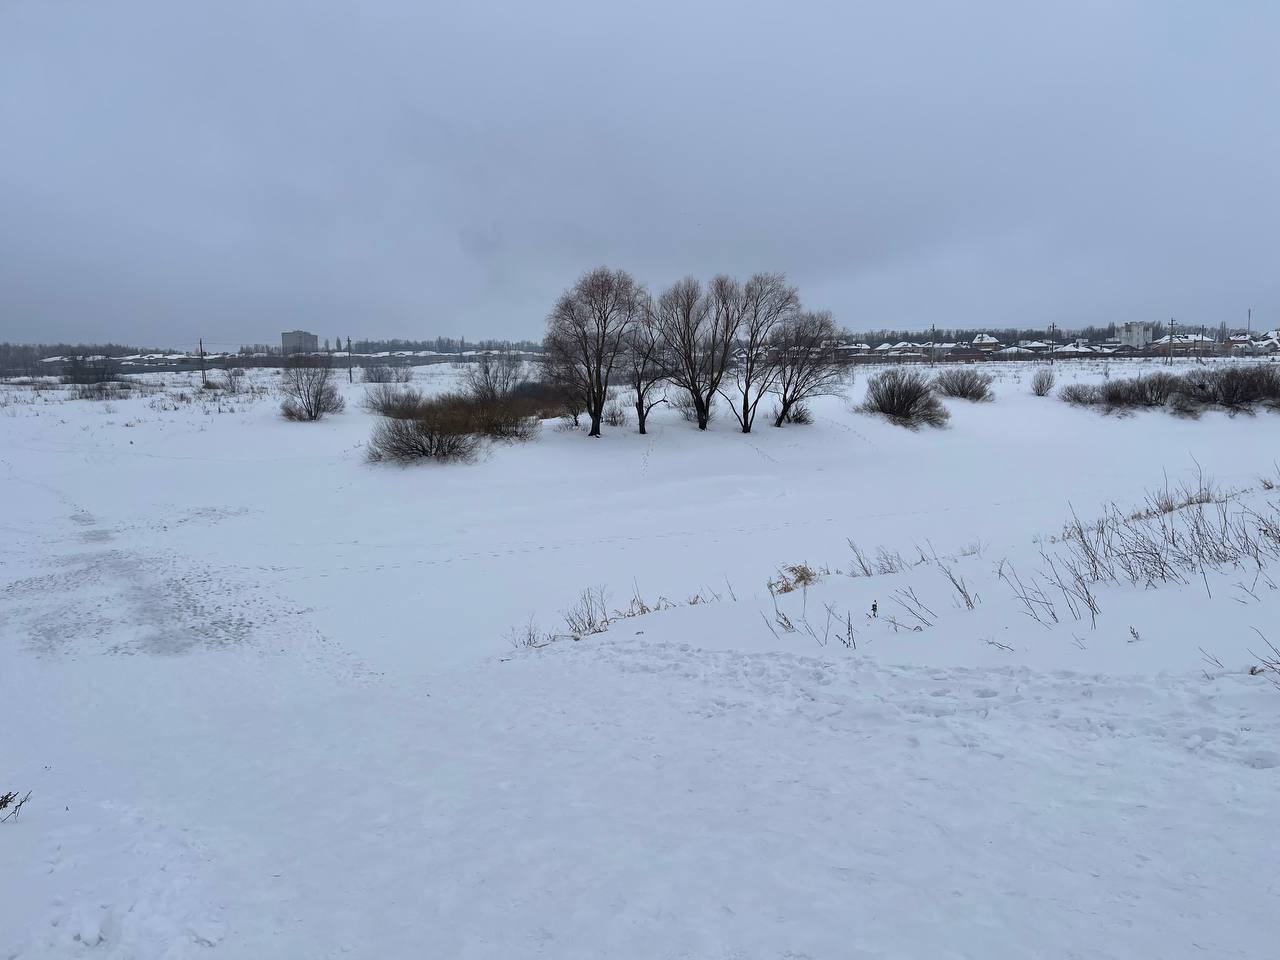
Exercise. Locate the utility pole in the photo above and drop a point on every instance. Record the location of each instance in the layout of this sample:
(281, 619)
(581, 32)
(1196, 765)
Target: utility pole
(1173, 326)
(933, 345)
(1053, 329)
(204, 379)
(350, 375)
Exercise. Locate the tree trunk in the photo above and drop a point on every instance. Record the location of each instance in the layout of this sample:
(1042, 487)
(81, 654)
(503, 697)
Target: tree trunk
(782, 414)
(640, 415)
(747, 415)
(700, 409)
(595, 424)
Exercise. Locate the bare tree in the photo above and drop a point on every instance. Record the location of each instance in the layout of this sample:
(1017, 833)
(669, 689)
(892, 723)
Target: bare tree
(494, 377)
(699, 331)
(767, 302)
(585, 335)
(804, 365)
(307, 389)
(646, 362)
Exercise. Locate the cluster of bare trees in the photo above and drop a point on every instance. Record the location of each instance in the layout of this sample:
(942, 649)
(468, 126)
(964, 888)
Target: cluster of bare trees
(737, 341)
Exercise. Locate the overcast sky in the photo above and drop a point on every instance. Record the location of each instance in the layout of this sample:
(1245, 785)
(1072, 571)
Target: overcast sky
(413, 168)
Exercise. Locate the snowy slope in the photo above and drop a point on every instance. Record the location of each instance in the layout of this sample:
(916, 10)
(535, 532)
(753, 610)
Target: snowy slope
(263, 698)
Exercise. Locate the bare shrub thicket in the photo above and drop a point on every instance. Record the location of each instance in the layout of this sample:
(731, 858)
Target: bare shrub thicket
(388, 400)
(804, 365)
(615, 414)
(307, 388)
(1042, 382)
(233, 380)
(964, 384)
(1080, 394)
(906, 398)
(799, 414)
(685, 406)
(106, 390)
(537, 399)
(438, 431)
(1233, 387)
(385, 373)
(491, 384)
(586, 336)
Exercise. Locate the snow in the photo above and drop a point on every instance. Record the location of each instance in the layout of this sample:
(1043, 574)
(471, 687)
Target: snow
(264, 699)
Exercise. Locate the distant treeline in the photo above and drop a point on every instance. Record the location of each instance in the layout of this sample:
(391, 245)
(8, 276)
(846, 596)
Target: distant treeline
(1011, 335)
(24, 358)
(1006, 335)
(438, 344)
(443, 345)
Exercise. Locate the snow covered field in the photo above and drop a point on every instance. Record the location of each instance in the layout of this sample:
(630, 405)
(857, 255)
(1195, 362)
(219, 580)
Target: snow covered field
(267, 701)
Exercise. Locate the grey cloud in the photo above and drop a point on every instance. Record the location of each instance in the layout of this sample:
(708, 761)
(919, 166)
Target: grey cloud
(413, 169)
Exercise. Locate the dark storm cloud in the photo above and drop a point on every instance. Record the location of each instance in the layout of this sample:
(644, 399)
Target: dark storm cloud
(404, 168)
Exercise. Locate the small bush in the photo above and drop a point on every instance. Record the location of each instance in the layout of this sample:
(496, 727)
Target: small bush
(1042, 382)
(109, 390)
(1080, 394)
(615, 414)
(1237, 387)
(963, 384)
(799, 413)
(1153, 390)
(906, 398)
(794, 576)
(383, 373)
(538, 398)
(307, 389)
(399, 403)
(688, 411)
(439, 432)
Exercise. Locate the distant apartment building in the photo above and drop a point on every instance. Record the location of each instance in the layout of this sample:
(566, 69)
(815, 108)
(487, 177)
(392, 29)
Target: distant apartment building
(1136, 335)
(298, 341)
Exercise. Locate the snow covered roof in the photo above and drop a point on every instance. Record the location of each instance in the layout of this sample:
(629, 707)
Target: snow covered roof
(984, 339)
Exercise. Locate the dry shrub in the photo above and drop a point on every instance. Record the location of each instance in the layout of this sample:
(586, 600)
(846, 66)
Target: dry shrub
(109, 390)
(1042, 382)
(1233, 387)
(541, 399)
(963, 384)
(615, 414)
(1080, 394)
(400, 403)
(906, 398)
(1240, 387)
(798, 413)
(441, 430)
(688, 410)
(404, 441)
(307, 389)
(795, 576)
